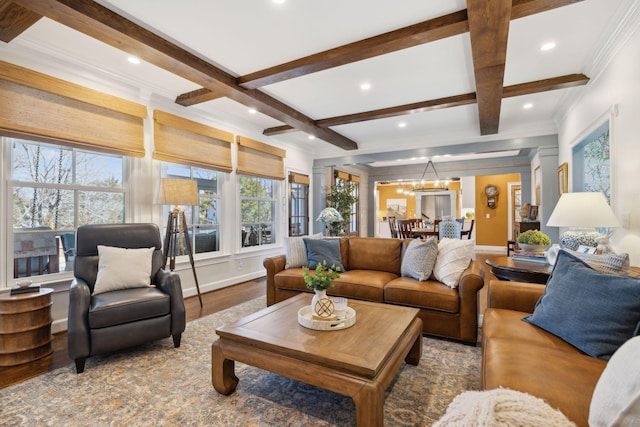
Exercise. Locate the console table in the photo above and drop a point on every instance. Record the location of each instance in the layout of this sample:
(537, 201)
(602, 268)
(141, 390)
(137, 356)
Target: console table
(25, 327)
(506, 268)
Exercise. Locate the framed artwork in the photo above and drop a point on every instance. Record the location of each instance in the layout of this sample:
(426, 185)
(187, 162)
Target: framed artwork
(563, 178)
(591, 165)
(533, 213)
(537, 182)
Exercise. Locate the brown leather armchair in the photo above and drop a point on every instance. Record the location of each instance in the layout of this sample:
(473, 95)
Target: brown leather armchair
(122, 318)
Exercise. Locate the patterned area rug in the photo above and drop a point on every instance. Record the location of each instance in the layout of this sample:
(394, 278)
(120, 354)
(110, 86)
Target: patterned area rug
(157, 385)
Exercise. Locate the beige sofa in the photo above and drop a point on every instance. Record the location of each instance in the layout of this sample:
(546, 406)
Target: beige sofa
(372, 273)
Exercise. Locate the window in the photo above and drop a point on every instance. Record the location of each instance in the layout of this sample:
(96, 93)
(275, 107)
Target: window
(56, 189)
(298, 204)
(257, 210)
(203, 220)
(351, 184)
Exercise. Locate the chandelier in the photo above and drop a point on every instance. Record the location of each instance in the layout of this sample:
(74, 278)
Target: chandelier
(437, 184)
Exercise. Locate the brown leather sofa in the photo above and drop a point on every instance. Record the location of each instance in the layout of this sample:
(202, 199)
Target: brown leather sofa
(523, 357)
(373, 274)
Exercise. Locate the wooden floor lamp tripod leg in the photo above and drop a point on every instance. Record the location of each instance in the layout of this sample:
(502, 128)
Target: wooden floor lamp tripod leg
(171, 245)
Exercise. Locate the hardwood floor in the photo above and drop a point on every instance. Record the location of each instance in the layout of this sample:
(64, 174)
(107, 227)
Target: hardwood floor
(212, 302)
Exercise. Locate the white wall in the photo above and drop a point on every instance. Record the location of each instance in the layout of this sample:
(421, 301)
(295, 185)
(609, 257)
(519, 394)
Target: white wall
(616, 88)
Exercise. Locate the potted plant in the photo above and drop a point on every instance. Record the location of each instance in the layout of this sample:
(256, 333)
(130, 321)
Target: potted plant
(320, 280)
(342, 196)
(533, 241)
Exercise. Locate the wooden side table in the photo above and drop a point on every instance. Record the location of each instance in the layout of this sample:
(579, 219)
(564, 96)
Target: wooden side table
(507, 268)
(25, 327)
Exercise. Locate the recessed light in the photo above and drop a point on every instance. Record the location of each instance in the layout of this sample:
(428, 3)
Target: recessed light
(365, 86)
(133, 60)
(402, 125)
(311, 137)
(278, 1)
(252, 110)
(527, 106)
(547, 46)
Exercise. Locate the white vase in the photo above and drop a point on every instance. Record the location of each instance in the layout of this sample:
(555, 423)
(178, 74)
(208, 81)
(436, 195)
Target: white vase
(317, 296)
(552, 253)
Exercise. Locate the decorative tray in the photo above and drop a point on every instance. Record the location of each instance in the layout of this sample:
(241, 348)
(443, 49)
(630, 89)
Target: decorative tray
(305, 318)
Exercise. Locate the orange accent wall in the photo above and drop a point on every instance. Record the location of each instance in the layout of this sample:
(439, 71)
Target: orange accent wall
(493, 231)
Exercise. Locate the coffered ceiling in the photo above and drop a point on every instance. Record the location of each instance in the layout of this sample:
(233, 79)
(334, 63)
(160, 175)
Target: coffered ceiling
(441, 74)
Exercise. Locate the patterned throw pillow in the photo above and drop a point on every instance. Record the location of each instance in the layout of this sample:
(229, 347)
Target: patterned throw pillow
(296, 252)
(419, 259)
(454, 256)
(605, 263)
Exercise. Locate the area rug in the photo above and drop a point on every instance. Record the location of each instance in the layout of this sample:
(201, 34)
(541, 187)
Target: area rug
(157, 385)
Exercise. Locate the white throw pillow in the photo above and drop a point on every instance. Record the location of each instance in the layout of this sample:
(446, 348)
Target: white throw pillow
(296, 252)
(120, 268)
(453, 258)
(616, 398)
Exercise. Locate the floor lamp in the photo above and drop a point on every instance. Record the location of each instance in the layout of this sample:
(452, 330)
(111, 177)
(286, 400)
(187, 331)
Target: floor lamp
(178, 192)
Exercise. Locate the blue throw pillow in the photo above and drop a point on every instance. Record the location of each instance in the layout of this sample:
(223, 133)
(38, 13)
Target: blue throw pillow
(319, 250)
(595, 312)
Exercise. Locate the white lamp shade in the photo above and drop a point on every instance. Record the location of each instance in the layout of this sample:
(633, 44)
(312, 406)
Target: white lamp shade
(583, 210)
(177, 191)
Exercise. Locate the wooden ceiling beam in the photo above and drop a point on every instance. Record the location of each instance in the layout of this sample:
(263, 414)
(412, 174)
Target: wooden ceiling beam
(197, 96)
(489, 31)
(14, 20)
(544, 85)
(101, 23)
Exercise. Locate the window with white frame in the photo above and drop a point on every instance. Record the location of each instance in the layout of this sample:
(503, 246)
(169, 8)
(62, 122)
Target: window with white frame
(258, 213)
(203, 220)
(55, 189)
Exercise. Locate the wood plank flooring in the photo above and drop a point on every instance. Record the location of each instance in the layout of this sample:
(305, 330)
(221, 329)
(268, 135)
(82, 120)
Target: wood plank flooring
(212, 301)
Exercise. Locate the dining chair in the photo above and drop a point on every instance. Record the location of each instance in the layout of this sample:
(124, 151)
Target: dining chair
(393, 226)
(405, 228)
(468, 232)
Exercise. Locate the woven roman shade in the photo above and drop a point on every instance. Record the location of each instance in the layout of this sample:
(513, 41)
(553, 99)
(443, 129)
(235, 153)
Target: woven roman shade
(179, 140)
(346, 177)
(41, 107)
(298, 178)
(259, 159)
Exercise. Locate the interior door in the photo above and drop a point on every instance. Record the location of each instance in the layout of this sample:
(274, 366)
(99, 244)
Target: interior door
(514, 209)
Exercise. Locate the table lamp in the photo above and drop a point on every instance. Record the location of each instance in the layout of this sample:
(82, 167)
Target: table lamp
(178, 192)
(329, 216)
(583, 213)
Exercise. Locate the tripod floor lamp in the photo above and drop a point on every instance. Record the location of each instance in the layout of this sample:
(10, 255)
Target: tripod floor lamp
(178, 192)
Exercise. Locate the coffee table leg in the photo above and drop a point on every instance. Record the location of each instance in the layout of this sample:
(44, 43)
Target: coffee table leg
(414, 355)
(370, 405)
(223, 376)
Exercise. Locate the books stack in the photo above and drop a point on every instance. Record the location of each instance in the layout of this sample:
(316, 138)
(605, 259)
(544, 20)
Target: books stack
(530, 256)
(17, 290)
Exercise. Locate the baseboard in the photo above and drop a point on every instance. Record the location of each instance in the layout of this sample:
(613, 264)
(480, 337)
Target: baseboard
(491, 249)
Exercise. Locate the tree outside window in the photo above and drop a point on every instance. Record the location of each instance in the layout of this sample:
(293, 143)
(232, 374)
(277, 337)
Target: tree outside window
(257, 210)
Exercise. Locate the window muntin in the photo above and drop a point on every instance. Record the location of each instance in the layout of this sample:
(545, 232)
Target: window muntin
(298, 209)
(257, 210)
(203, 220)
(55, 189)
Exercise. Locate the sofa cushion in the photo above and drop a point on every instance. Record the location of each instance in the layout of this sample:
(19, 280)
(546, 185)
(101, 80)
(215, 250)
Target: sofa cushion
(616, 398)
(296, 252)
(454, 256)
(565, 381)
(323, 250)
(419, 259)
(595, 312)
(376, 254)
(121, 268)
(431, 295)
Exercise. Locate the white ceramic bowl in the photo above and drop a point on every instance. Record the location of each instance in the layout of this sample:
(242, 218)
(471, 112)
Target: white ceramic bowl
(24, 283)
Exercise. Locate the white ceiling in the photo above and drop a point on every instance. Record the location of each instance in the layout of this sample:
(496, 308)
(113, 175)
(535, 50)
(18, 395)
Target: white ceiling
(242, 37)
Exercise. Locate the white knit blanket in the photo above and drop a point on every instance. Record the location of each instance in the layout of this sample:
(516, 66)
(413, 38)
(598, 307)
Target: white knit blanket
(501, 407)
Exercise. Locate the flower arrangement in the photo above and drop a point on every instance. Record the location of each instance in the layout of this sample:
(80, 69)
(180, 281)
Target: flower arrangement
(534, 237)
(323, 277)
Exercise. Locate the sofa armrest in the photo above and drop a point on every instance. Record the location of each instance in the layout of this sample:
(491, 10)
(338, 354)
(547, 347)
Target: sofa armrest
(78, 342)
(470, 282)
(519, 296)
(169, 283)
(273, 265)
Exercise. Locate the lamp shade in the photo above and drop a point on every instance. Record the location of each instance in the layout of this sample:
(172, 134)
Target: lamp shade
(584, 210)
(329, 216)
(178, 191)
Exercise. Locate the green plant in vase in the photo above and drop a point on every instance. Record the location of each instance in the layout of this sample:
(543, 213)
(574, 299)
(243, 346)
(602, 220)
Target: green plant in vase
(533, 241)
(320, 280)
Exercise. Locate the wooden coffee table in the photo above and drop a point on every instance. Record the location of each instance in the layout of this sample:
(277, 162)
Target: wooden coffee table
(359, 361)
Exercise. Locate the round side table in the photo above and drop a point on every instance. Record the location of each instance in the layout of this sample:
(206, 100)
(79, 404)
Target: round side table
(25, 327)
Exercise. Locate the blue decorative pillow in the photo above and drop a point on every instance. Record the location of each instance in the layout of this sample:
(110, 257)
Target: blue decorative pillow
(319, 250)
(595, 312)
